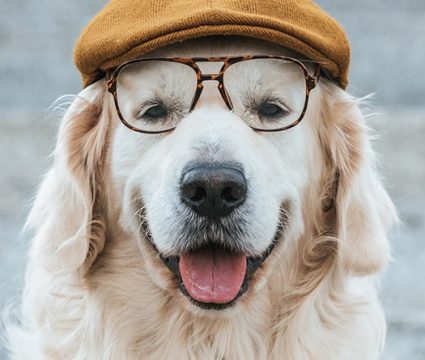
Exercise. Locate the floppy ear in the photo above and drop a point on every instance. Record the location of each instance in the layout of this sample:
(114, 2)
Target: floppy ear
(68, 214)
(364, 211)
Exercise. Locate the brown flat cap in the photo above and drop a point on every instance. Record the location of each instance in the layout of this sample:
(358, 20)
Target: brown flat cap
(127, 29)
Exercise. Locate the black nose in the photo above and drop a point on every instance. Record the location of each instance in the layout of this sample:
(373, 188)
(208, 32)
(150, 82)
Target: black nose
(213, 191)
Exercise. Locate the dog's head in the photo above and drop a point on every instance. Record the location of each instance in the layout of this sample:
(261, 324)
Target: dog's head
(213, 198)
(217, 207)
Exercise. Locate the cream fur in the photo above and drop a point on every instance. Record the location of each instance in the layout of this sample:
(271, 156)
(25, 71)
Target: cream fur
(94, 290)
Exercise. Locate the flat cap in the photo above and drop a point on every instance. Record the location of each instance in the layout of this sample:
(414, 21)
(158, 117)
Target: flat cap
(127, 29)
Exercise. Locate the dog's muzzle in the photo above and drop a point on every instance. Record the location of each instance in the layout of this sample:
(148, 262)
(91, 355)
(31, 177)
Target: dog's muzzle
(211, 264)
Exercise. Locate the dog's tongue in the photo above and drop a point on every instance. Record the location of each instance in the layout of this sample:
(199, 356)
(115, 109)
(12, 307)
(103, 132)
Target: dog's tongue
(212, 275)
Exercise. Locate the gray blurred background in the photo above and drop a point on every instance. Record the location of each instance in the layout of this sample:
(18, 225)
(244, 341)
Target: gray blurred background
(388, 45)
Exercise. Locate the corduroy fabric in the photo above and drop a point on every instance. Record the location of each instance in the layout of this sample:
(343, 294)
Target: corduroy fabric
(127, 29)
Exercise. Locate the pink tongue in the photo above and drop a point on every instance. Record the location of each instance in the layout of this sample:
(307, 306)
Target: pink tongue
(212, 275)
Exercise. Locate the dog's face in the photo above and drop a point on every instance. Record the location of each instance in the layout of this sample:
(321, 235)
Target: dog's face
(212, 199)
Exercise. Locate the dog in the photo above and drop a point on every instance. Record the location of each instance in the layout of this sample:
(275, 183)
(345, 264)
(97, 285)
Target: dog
(212, 240)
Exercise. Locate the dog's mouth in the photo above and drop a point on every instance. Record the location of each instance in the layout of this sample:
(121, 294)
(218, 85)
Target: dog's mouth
(213, 277)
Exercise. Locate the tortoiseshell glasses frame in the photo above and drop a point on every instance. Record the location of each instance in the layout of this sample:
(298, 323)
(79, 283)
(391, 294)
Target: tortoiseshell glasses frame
(310, 80)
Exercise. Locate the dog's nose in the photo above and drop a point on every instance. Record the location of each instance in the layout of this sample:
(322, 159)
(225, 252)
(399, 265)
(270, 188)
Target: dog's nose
(213, 191)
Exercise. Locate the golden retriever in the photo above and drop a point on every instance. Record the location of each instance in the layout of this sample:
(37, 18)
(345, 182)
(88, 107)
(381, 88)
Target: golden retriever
(213, 240)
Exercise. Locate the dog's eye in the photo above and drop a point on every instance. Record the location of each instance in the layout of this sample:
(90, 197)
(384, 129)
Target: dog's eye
(272, 110)
(151, 111)
(156, 112)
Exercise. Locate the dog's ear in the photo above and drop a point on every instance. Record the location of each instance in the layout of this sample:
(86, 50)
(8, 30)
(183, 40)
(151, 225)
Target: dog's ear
(68, 214)
(354, 193)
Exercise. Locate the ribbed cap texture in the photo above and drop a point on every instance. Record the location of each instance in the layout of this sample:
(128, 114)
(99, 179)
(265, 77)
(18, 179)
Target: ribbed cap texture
(127, 29)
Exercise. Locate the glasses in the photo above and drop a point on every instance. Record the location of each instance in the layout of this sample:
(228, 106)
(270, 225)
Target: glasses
(270, 93)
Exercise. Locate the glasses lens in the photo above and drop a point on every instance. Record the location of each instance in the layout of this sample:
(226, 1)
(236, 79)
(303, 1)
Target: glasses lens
(155, 95)
(268, 93)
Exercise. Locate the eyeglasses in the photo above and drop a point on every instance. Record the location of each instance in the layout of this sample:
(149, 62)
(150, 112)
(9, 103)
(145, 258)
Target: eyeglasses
(270, 93)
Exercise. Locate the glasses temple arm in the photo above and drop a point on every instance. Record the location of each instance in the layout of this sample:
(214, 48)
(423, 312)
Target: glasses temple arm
(317, 72)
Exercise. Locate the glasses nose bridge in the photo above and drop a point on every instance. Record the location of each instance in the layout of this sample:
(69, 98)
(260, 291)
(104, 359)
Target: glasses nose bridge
(207, 75)
(211, 77)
